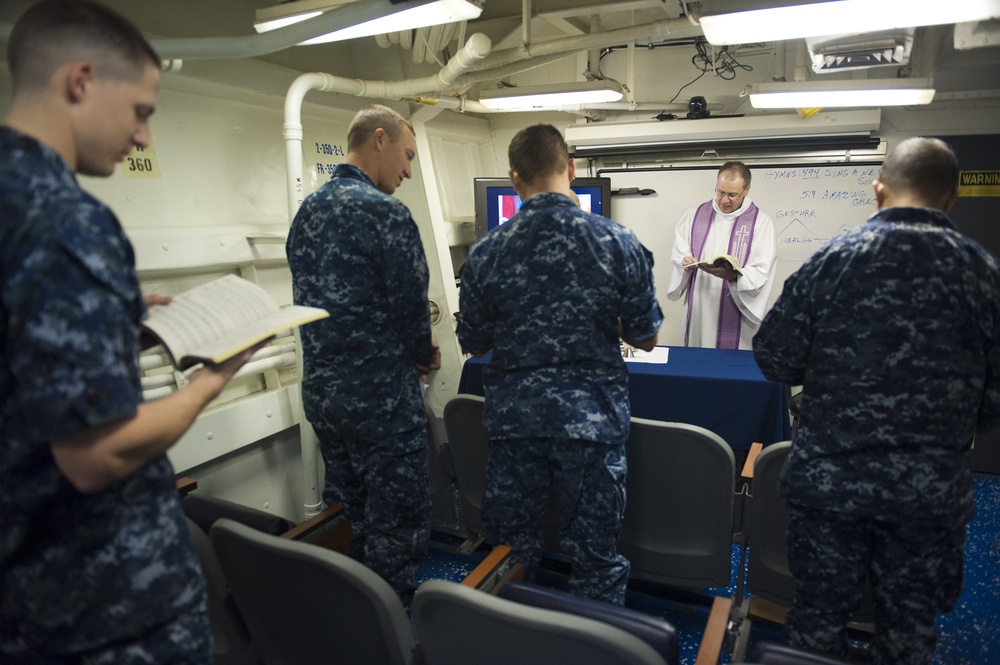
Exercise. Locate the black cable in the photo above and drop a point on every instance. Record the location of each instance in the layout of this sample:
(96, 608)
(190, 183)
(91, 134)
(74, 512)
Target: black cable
(686, 85)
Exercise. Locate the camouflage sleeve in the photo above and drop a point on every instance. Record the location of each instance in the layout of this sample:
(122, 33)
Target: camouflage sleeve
(77, 337)
(782, 345)
(475, 328)
(640, 310)
(406, 271)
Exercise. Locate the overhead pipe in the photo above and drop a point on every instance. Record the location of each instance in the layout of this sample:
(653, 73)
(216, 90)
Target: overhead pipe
(475, 49)
(463, 70)
(679, 28)
(420, 44)
(501, 64)
(249, 46)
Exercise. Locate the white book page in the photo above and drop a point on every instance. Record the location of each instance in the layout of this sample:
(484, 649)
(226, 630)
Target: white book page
(257, 331)
(206, 313)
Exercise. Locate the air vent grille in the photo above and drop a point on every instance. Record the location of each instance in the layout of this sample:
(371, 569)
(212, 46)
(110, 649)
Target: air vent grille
(860, 51)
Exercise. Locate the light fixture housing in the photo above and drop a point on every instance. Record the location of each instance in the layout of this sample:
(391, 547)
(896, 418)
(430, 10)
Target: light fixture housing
(728, 22)
(840, 94)
(542, 97)
(403, 15)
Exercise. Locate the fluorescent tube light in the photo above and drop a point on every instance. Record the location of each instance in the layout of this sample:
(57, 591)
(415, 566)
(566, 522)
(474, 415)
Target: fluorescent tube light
(837, 17)
(834, 94)
(403, 15)
(540, 97)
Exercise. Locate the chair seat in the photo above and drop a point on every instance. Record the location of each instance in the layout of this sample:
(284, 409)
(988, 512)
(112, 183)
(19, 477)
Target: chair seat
(654, 631)
(457, 625)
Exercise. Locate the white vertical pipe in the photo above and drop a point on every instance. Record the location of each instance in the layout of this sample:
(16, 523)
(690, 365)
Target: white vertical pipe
(312, 498)
(293, 134)
(781, 64)
(801, 61)
(525, 24)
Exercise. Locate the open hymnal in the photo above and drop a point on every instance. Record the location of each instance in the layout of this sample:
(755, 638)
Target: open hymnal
(719, 261)
(217, 320)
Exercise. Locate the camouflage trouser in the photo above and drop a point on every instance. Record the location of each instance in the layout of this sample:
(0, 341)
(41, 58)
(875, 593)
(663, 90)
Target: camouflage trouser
(187, 640)
(589, 481)
(383, 485)
(915, 568)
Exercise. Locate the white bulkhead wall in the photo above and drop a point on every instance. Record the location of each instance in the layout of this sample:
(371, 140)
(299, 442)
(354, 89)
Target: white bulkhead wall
(219, 177)
(220, 154)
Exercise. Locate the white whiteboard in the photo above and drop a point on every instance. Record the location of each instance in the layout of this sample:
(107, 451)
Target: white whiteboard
(808, 205)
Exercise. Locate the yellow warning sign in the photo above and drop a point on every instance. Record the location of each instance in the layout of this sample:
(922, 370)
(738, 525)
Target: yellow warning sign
(141, 162)
(979, 183)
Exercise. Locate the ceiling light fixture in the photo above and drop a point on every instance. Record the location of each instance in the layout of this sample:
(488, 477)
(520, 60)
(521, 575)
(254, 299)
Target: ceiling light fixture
(839, 94)
(833, 17)
(541, 97)
(387, 16)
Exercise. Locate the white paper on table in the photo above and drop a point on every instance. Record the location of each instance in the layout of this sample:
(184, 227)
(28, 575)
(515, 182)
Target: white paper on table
(658, 355)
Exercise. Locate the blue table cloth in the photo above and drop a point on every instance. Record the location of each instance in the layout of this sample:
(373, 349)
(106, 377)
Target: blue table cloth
(721, 390)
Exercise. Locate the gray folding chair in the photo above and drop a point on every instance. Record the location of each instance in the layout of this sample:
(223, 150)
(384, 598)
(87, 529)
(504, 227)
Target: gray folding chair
(457, 625)
(678, 524)
(231, 643)
(307, 605)
(653, 630)
(769, 583)
(441, 475)
(469, 448)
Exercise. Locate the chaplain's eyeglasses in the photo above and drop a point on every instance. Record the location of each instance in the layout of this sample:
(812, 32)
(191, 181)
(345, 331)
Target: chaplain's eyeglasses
(732, 196)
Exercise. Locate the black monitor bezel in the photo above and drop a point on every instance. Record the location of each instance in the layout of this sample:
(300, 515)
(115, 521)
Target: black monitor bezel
(481, 187)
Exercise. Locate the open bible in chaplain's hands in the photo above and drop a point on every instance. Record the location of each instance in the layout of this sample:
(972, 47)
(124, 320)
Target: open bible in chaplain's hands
(719, 262)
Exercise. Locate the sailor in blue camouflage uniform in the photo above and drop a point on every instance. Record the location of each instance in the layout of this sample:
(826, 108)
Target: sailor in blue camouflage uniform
(355, 251)
(893, 330)
(96, 563)
(550, 291)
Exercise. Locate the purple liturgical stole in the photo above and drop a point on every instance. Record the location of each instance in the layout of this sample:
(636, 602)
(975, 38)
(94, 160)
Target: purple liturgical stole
(740, 240)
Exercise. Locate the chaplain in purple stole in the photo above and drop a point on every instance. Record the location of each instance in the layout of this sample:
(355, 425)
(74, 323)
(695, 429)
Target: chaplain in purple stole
(723, 307)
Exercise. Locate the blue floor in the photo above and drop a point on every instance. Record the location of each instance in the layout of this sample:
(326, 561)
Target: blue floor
(970, 635)
(442, 564)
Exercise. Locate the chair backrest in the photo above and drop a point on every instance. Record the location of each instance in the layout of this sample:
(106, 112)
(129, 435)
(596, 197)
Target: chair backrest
(441, 474)
(231, 640)
(654, 631)
(678, 524)
(469, 447)
(772, 653)
(306, 605)
(204, 510)
(457, 625)
(768, 575)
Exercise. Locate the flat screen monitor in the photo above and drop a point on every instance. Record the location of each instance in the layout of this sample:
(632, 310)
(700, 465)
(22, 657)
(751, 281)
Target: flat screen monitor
(496, 201)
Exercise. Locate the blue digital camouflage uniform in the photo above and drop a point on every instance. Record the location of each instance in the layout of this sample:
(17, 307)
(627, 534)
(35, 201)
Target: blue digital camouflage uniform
(893, 330)
(545, 291)
(106, 577)
(356, 252)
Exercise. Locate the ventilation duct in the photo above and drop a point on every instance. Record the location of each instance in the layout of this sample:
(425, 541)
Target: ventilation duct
(847, 52)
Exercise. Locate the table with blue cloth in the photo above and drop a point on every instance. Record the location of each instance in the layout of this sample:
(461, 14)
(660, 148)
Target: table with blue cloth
(721, 390)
